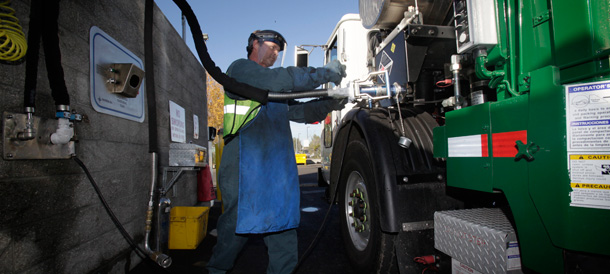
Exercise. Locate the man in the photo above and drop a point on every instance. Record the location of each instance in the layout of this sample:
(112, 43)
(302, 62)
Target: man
(258, 175)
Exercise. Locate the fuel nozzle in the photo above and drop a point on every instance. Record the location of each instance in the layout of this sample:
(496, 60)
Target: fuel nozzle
(161, 259)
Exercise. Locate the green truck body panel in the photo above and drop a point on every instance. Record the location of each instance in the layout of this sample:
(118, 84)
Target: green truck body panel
(543, 46)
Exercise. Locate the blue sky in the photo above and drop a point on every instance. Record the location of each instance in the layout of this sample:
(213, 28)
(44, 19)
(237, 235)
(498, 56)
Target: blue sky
(229, 23)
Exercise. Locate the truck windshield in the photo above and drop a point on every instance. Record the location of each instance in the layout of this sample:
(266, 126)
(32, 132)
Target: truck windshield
(331, 54)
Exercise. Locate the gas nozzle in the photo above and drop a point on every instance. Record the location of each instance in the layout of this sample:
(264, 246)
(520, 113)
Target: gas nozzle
(161, 259)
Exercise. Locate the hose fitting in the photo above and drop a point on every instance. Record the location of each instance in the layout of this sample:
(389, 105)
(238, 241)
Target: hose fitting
(29, 132)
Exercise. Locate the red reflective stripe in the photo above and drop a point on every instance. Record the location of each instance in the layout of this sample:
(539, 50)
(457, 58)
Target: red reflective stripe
(504, 144)
(484, 146)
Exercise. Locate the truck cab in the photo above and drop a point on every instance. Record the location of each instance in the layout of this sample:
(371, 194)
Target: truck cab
(347, 43)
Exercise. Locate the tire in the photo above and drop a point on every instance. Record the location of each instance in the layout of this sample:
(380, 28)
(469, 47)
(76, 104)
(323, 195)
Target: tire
(368, 248)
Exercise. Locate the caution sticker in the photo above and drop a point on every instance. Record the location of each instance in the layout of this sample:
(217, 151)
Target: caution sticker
(591, 186)
(590, 180)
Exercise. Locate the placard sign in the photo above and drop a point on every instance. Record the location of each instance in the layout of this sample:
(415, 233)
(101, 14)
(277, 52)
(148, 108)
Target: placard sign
(177, 123)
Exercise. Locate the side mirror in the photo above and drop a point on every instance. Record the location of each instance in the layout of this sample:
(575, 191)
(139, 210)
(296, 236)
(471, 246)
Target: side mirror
(211, 133)
(301, 57)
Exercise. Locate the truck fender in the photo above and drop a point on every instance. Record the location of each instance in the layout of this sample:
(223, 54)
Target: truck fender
(388, 158)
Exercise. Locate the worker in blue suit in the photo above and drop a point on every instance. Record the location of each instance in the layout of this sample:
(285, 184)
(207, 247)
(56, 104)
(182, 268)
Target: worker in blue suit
(258, 175)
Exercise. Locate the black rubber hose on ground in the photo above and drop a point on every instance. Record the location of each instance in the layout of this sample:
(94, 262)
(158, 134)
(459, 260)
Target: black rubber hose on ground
(314, 242)
(137, 249)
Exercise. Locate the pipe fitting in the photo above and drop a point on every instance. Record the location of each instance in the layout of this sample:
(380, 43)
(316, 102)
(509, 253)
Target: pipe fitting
(29, 132)
(64, 132)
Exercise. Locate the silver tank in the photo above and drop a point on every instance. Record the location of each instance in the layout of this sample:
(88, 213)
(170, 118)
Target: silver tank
(385, 14)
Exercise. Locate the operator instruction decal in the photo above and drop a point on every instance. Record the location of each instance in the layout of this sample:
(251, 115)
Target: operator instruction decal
(588, 116)
(588, 132)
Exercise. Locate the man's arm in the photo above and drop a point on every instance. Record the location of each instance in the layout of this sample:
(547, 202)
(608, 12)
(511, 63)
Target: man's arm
(314, 110)
(289, 79)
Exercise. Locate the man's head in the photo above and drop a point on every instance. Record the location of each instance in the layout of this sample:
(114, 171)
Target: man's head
(264, 47)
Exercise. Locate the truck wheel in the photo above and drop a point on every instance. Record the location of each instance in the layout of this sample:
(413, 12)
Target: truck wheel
(369, 249)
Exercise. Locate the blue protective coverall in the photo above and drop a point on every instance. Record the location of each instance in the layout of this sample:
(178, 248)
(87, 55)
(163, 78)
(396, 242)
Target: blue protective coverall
(258, 176)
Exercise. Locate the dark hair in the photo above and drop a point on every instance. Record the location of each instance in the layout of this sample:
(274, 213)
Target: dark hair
(265, 35)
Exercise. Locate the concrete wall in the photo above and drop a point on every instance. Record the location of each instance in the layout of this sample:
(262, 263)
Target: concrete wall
(51, 220)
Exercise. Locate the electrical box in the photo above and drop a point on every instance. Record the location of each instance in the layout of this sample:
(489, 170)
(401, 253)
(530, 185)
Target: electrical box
(475, 24)
(116, 75)
(187, 155)
(124, 79)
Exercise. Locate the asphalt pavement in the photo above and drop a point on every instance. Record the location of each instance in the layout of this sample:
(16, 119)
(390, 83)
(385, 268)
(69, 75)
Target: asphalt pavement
(327, 256)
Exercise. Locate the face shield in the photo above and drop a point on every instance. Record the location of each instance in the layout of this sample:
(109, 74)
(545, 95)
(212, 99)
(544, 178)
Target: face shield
(271, 48)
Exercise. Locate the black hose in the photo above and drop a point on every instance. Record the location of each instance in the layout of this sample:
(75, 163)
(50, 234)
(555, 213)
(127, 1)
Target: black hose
(31, 58)
(43, 23)
(153, 146)
(283, 96)
(241, 89)
(137, 249)
(52, 53)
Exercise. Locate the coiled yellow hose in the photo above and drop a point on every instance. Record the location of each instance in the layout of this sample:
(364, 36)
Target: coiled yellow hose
(13, 44)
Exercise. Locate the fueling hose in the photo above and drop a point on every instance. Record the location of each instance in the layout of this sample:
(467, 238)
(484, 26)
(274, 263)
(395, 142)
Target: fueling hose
(13, 45)
(241, 89)
(283, 96)
(141, 253)
(314, 242)
(43, 24)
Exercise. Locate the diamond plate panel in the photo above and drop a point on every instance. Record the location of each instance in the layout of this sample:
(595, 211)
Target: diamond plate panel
(482, 238)
(187, 155)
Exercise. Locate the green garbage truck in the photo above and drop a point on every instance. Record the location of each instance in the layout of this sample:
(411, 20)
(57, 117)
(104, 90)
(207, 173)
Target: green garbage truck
(477, 139)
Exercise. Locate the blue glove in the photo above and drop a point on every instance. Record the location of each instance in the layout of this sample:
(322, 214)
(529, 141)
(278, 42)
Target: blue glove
(336, 71)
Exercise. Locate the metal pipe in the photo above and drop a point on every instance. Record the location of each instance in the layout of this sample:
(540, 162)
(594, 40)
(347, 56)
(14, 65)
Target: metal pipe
(160, 258)
(455, 68)
(403, 141)
(164, 203)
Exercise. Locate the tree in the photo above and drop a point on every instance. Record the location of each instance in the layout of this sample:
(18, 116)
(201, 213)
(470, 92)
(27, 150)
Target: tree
(314, 146)
(296, 144)
(215, 94)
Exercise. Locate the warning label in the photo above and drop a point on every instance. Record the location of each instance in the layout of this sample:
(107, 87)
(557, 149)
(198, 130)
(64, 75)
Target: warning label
(588, 132)
(590, 180)
(588, 116)
(590, 186)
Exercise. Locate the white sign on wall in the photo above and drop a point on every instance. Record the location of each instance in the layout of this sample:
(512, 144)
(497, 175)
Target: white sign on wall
(177, 123)
(195, 126)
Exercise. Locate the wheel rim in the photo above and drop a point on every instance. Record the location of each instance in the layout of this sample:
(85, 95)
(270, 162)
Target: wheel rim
(357, 211)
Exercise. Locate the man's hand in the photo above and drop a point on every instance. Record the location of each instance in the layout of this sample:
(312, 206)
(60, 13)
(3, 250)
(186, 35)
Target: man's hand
(337, 71)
